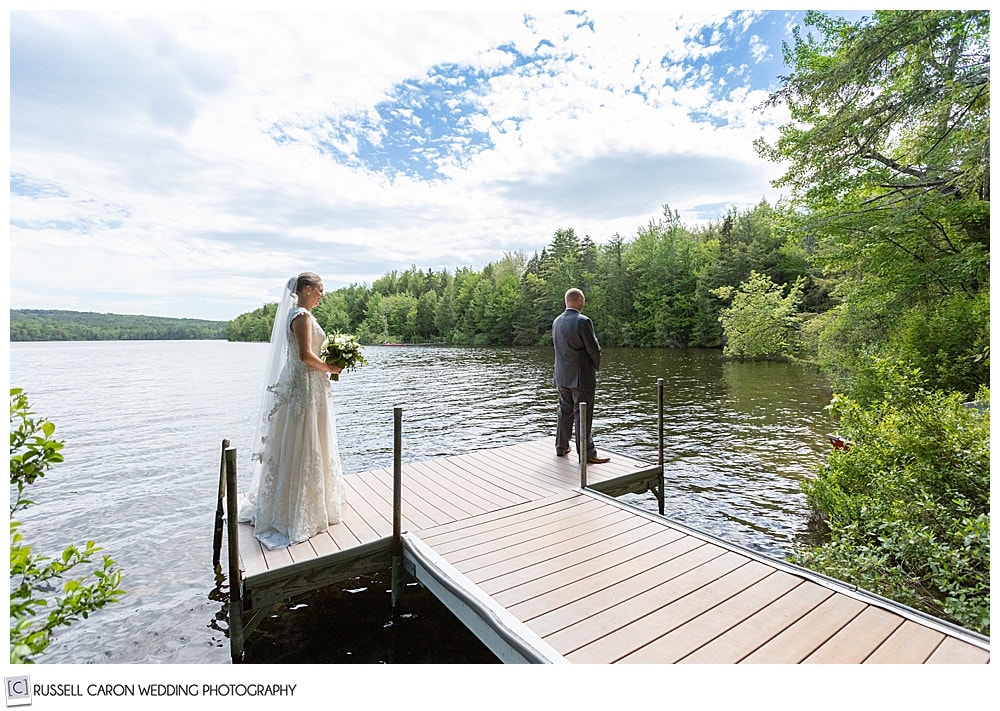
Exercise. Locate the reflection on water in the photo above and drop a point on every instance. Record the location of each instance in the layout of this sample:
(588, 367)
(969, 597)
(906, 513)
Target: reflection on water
(144, 422)
(323, 628)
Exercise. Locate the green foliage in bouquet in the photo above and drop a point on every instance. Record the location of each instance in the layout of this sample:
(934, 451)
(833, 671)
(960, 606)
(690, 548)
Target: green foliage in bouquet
(343, 350)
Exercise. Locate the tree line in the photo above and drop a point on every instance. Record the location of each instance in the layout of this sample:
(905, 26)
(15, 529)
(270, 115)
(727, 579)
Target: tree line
(55, 325)
(657, 288)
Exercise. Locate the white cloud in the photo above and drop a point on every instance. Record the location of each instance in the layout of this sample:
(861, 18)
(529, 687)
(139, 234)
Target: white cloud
(182, 164)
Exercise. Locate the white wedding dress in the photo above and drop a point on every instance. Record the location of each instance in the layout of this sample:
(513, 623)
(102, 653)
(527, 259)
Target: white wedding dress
(300, 488)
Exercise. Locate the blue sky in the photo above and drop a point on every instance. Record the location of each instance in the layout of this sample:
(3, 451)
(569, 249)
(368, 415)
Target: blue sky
(184, 163)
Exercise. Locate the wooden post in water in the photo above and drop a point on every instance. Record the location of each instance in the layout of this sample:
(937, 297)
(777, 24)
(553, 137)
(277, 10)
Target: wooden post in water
(235, 584)
(217, 541)
(659, 439)
(581, 439)
(397, 512)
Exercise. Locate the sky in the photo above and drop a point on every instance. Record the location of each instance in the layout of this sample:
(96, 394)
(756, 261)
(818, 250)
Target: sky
(185, 163)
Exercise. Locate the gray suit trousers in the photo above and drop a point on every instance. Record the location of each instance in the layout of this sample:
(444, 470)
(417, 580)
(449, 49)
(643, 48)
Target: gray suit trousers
(568, 422)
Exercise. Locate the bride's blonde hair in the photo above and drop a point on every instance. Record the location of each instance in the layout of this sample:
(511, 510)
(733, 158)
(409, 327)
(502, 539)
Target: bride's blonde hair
(306, 279)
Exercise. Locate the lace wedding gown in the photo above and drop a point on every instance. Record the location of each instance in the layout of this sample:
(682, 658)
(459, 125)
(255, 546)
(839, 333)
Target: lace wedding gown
(301, 485)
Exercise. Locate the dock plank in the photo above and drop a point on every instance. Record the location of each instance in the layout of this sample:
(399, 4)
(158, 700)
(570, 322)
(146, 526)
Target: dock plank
(686, 597)
(808, 633)
(568, 468)
(581, 623)
(442, 536)
(515, 473)
(702, 628)
(952, 651)
(276, 558)
(354, 522)
(471, 498)
(413, 502)
(370, 503)
(325, 544)
(577, 536)
(252, 560)
(438, 491)
(910, 643)
(857, 639)
(379, 522)
(481, 491)
(752, 633)
(521, 534)
(572, 564)
(341, 536)
(303, 551)
(415, 515)
(494, 476)
(603, 570)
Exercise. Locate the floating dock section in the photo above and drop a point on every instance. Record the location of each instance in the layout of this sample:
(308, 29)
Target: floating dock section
(536, 556)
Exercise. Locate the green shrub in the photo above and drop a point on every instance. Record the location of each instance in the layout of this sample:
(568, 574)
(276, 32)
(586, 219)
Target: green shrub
(906, 506)
(761, 321)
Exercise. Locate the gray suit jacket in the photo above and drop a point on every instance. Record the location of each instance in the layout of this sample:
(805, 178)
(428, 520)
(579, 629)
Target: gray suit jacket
(578, 354)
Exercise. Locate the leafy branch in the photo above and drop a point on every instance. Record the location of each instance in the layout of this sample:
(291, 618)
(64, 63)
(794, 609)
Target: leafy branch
(35, 579)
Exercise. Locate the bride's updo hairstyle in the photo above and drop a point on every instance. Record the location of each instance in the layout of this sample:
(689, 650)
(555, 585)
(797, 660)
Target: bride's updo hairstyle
(307, 279)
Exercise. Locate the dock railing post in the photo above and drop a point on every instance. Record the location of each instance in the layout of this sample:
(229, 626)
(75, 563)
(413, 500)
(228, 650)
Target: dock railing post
(659, 440)
(397, 514)
(217, 540)
(581, 439)
(235, 584)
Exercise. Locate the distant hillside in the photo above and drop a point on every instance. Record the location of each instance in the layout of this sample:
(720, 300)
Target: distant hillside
(42, 325)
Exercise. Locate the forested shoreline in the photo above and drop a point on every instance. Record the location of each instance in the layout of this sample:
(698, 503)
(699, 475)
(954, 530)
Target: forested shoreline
(658, 288)
(58, 325)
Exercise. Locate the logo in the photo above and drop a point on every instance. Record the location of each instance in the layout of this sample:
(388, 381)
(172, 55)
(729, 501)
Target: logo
(18, 691)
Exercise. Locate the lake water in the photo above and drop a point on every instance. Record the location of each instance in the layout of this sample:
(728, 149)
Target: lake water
(143, 423)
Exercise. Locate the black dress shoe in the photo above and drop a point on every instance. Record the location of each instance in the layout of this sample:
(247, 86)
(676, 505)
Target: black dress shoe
(561, 454)
(598, 460)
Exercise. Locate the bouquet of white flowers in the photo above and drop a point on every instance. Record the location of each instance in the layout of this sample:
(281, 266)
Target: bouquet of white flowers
(342, 349)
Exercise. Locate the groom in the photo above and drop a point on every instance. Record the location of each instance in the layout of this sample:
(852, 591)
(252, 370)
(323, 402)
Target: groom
(578, 357)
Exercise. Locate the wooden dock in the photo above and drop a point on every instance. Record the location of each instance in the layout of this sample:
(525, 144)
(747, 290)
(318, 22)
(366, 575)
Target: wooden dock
(544, 570)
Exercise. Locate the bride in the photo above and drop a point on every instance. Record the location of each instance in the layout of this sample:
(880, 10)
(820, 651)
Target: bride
(297, 486)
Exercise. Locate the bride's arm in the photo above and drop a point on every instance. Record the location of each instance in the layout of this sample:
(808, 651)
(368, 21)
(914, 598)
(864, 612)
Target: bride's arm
(303, 336)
